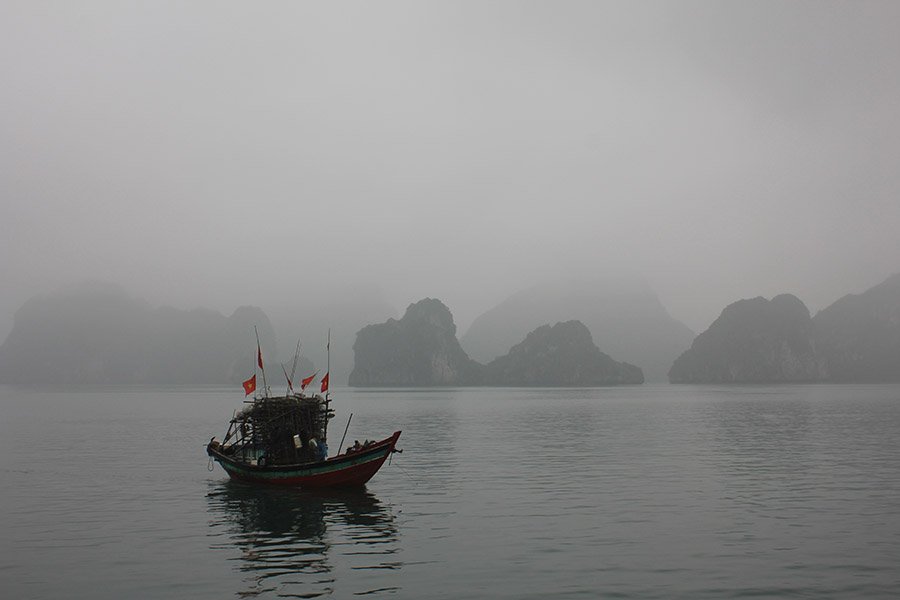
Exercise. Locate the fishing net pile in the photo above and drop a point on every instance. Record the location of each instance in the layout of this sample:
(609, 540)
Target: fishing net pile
(280, 431)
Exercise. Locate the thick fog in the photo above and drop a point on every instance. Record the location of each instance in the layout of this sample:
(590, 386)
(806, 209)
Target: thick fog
(222, 153)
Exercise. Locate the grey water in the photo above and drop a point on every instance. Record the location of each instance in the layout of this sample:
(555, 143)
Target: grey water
(633, 492)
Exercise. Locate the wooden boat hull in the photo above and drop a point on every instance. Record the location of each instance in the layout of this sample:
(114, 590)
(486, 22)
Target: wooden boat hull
(344, 470)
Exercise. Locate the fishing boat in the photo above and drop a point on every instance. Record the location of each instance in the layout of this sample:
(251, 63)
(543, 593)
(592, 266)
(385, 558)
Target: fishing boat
(281, 440)
(350, 469)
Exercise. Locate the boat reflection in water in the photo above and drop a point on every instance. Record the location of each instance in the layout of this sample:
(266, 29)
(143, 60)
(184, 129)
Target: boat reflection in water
(295, 543)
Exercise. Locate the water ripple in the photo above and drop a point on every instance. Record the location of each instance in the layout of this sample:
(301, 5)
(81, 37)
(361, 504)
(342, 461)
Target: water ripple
(279, 534)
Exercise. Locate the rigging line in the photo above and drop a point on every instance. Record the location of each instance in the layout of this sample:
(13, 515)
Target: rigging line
(411, 478)
(296, 356)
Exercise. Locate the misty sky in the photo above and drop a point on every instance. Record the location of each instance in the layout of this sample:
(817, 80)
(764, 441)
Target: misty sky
(218, 153)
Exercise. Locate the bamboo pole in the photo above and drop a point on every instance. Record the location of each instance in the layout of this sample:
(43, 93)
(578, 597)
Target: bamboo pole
(343, 437)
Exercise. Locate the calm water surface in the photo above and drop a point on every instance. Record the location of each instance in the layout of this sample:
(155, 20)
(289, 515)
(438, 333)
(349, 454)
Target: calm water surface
(638, 492)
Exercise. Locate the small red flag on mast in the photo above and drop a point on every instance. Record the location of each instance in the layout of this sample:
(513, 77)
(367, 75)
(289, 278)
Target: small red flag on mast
(258, 355)
(286, 376)
(249, 386)
(325, 383)
(307, 380)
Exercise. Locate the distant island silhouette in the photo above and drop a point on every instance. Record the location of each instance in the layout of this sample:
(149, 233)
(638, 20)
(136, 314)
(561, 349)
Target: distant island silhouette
(421, 349)
(856, 339)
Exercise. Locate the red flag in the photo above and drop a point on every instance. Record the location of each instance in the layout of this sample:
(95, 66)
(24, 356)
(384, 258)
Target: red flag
(258, 356)
(249, 386)
(290, 383)
(325, 383)
(307, 380)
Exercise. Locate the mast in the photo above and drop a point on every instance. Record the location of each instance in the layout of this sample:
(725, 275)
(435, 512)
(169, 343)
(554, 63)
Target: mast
(328, 364)
(328, 391)
(260, 362)
(296, 356)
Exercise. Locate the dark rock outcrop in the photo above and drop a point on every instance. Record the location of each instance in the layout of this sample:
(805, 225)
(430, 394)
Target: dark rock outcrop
(96, 333)
(561, 355)
(625, 317)
(754, 341)
(420, 349)
(858, 337)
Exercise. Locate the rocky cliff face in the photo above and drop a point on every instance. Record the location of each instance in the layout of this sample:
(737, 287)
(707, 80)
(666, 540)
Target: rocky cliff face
(858, 336)
(98, 334)
(420, 349)
(625, 318)
(561, 355)
(754, 341)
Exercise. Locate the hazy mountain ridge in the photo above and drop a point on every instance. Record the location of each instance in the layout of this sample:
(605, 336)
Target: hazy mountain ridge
(859, 335)
(97, 333)
(855, 339)
(421, 349)
(625, 317)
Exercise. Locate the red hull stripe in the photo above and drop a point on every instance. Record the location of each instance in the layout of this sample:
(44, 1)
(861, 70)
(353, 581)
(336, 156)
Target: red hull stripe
(344, 470)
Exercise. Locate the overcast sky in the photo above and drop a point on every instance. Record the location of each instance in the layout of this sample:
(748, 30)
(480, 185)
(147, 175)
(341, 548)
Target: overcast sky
(218, 153)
